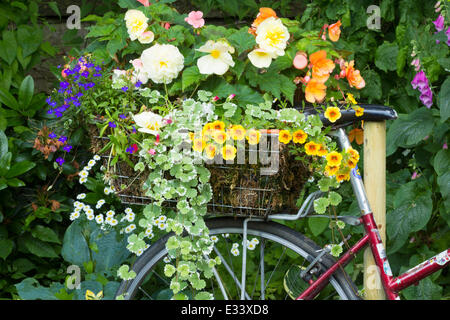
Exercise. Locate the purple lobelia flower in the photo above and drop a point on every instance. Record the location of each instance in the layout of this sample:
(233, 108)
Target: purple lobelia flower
(52, 135)
(63, 139)
(112, 124)
(67, 148)
(60, 161)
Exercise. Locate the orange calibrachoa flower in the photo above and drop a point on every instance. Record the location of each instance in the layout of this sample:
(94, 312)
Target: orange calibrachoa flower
(353, 76)
(315, 91)
(334, 158)
(332, 114)
(253, 136)
(210, 150)
(299, 136)
(354, 154)
(284, 136)
(351, 163)
(311, 148)
(334, 31)
(341, 176)
(263, 14)
(229, 152)
(322, 67)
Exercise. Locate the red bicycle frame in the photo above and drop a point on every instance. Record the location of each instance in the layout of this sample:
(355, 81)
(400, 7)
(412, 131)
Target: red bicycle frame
(372, 238)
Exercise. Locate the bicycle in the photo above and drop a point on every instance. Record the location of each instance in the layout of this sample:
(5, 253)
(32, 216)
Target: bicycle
(319, 275)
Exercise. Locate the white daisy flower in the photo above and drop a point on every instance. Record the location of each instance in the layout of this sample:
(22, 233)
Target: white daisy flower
(130, 228)
(166, 259)
(235, 245)
(255, 241)
(96, 157)
(107, 190)
(162, 218)
(89, 212)
(82, 180)
(139, 252)
(113, 222)
(214, 239)
(74, 215)
(76, 209)
(81, 196)
(91, 163)
(100, 203)
(235, 252)
(110, 213)
(128, 210)
(83, 174)
(90, 217)
(251, 246)
(99, 218)
(130, 217)
(149, 230)
(162, 226)
(86, 207)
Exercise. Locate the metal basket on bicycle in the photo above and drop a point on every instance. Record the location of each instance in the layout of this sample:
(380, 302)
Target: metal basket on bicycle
(253, 188)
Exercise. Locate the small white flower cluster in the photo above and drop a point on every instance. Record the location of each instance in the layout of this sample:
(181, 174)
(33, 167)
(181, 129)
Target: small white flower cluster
(129, 216)
(251, 245)
(109, 190)
(80, 206)
(235, 249)
(85, 172)
(161, 222)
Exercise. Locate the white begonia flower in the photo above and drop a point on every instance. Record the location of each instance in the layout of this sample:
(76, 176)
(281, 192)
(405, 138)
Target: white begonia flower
(260, 58)
(162, 62)
(146, 37)
(272, 36)
(136, 23)
(148, 122)
(138, 73)
(219, 59)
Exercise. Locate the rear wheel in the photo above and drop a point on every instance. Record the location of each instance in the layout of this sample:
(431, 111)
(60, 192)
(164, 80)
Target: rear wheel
(275, 257)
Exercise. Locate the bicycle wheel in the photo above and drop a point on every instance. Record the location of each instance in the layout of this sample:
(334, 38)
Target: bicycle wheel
(281, 249)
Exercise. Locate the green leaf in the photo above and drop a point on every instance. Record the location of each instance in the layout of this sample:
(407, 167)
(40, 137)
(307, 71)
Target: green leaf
(318, 225)
(3, 144)
(441, 161)
(111, 252)
(75, 249)
(8, 100)
(444, 100)
(29, 39)
(335, 198)
(190, 76)
(386, 56)
(129, 4)
(39, 248)
(6, 246)
(321, 205)
(15, 183)
(242, 40)
(124, 273)
(30, 289)
(45, 234)
(412, 211)
(409, 130)
(424, 290)
(20, 168)
(54, 6)
(8, 47)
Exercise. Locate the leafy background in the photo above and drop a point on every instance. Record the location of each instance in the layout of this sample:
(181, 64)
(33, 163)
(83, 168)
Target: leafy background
(38, 243)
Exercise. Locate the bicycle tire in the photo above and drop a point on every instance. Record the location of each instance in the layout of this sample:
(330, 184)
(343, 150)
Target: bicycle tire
(340, 280)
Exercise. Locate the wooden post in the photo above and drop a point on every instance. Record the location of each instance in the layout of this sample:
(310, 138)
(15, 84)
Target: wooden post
(375, 185)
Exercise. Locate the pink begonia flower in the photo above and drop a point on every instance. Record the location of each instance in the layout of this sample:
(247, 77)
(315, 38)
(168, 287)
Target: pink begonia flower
(152, 152)
(195, 19)
(300, 60)
(144, 2)
(137, 63)
(167, 25)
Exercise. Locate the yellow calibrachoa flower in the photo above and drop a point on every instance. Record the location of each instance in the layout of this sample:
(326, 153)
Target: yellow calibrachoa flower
(299, 136)
(237, 132)
(341, 176)
(331, 170)
(92, 296)
(334, 158)
(207, 130)
(351, 98)
(351, 163)
(311, 148)
(353, 154)
(219, 136)
(359, 111)
(332, 114)
(210, 150)
(322, 151)
(218, 125)
(284, 136)
(253, 136)
(229, 152)
(198, 145)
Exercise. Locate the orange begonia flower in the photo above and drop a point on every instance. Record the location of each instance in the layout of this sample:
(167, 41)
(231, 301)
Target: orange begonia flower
(353, 76)
(334, 31)
(263, 14)
(315, 91)
(322, 67)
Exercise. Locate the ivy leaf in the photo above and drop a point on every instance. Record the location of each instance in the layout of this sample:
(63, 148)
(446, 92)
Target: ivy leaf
(386, 57)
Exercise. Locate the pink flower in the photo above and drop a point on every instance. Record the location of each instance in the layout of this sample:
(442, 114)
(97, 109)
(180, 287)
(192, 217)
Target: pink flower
(152, 152)
(144, 2)
(195, 19)
(231, 96)
(216, 98)
(300, 60)
(166, 26)
(414, 175)
(439, 23)
(445, 146)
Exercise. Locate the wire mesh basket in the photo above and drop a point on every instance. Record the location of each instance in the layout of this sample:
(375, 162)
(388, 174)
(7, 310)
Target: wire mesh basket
(238, 189)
